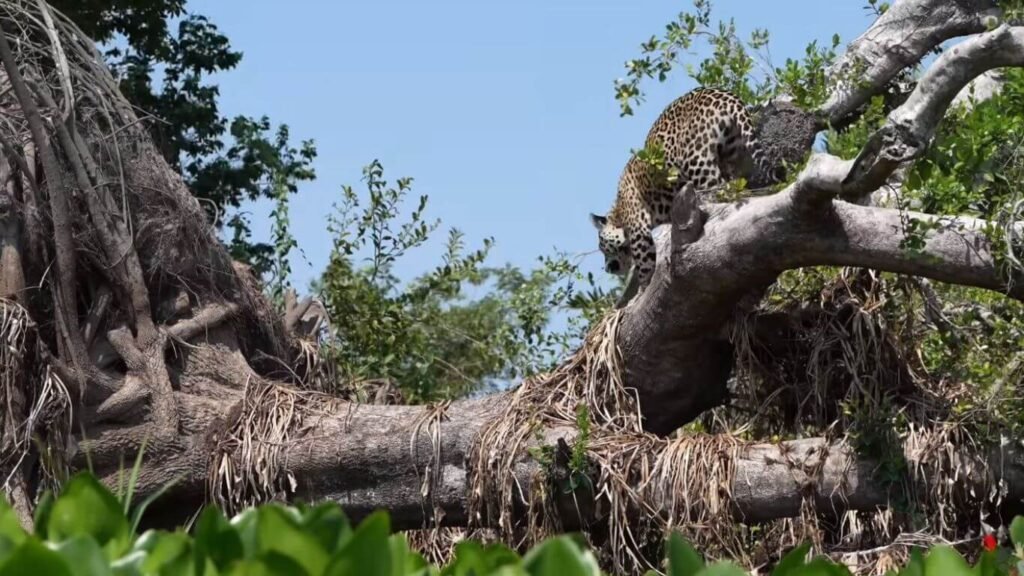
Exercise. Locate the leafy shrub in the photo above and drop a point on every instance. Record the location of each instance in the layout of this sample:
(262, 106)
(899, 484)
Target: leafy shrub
(462, 327)
(86, 531)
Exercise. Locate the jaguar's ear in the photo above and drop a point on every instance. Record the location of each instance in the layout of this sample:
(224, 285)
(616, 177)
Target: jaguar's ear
(598, 221)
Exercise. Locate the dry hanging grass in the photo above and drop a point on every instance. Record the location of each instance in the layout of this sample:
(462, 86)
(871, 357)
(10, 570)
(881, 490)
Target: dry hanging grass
(634, 472)
(36, 407)
(851, 372)
(250, 464)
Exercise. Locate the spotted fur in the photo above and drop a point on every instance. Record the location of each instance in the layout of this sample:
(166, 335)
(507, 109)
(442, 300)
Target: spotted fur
(707, 137)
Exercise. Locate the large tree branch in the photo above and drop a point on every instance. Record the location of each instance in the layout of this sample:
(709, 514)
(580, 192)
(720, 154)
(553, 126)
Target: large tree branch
(981, 88)
(898, 39)
(922, 112)
(676, 358)
(909, 129)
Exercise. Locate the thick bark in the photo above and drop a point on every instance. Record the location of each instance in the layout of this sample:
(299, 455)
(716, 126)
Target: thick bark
(372, 457)
(900, 38)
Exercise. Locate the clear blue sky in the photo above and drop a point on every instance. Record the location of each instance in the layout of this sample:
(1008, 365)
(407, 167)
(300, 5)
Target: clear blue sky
(503, 112)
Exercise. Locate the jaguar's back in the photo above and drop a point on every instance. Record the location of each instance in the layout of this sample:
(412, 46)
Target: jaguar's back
(706, 138)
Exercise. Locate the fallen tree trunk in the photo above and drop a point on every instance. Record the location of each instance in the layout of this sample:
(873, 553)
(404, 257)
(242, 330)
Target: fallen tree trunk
(371, 457)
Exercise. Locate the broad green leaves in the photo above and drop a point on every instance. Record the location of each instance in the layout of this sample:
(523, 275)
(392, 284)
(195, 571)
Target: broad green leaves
(32, 557)
(560, 557)
(683, 560)
(427, 335)
(86, 508)
(85, 532)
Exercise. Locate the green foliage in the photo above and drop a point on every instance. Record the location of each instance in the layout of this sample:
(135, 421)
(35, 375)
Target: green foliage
(973, 165)
(740, 66)
(982, 346)
(683, 560)
(85, 532)
(285, 166)
(428, 335)
(877, 7)
(578, 462)
(142, 37)
(262, 166)
(874, 432)
(973, 168)
(653, 157)
(1013, 10)
(805, 80)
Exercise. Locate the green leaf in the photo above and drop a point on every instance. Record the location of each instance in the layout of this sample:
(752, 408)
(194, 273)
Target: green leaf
(34, 558)
(251, 568)
(279, 533)
(328, 525)
(216, 541)
(507, 571)
(556, 557)
(683, 560)
(1017, 531)
(988, 565)
(42, 515)
(129, 565)
(945, 561)
(87, 508)
(819, 567)
(270, 564)
(168, 553)
(85, 555)
(795, 558)
(133, 478)
(472, 558)
(11, 532)
(367, 552)
(404, 561)
(246, 525)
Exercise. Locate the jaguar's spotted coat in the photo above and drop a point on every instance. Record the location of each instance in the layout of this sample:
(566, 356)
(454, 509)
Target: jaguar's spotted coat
(707, 137)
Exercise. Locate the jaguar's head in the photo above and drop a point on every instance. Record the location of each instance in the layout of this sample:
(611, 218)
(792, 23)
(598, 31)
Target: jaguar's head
(614, 245)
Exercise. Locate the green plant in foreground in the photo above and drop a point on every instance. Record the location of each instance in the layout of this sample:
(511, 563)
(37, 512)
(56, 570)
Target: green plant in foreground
(85, 531)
